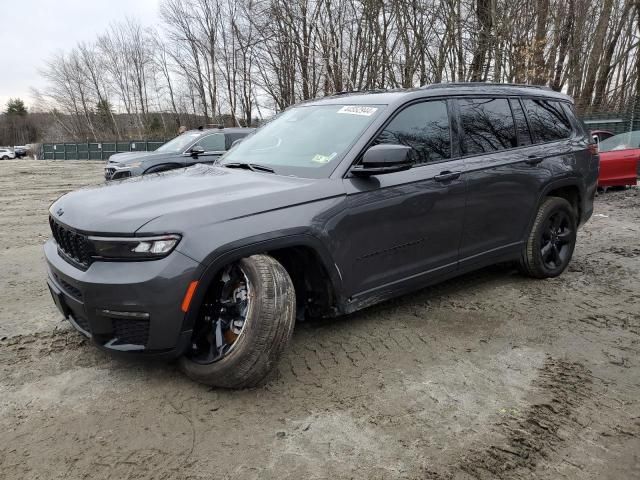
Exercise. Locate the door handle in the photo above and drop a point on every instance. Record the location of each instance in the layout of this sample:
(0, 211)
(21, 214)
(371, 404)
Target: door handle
(447, 176)
(534, 160)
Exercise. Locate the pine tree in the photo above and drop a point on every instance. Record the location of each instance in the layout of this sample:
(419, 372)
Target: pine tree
(15, 106)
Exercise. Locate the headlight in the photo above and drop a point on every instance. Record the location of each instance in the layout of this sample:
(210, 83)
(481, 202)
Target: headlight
(130, 165)
(142, 248)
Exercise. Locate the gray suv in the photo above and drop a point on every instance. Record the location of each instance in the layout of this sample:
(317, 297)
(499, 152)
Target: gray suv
(193, 146)
(335, 205)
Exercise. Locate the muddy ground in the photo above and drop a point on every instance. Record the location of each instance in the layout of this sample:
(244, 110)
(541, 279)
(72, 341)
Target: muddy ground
(489, 376)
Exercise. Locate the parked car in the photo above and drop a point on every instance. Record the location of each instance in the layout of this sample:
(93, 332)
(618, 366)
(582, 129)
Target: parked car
(6, 153)
(335, 205)
(20, 151)
(189, 148)
(619, 160)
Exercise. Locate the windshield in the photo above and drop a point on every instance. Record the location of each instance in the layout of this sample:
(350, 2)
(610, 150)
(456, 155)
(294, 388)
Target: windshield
(305, 141)
(624, 141)
(180, 143)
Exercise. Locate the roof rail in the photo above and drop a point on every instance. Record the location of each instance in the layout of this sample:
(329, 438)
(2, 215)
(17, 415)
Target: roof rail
(349, 92)
(483, 84)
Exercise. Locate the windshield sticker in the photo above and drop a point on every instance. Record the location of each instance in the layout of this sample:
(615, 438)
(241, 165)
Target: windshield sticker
(358, 110)
(318, 158)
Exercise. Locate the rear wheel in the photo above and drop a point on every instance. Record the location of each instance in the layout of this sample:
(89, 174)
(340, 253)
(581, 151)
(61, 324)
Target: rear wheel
(552, 240)
(5, 157)
(244, 325)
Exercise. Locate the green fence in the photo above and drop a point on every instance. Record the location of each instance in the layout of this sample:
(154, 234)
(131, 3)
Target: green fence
(622, 120)
(94, 151)
(615, 124)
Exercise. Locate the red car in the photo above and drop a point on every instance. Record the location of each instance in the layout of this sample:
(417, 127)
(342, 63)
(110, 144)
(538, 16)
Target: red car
(619, 157)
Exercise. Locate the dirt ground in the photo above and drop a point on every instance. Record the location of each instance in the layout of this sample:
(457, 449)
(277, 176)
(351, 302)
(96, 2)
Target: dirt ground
(488, 376)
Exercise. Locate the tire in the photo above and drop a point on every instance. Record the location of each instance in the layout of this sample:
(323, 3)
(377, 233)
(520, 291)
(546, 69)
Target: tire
(554, 214)
(5, 158)
(268, 327)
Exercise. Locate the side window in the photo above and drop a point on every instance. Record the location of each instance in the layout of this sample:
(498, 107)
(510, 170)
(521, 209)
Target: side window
(524, 135)
(212, 143)
(487, 124)
(547, 120)
(425, 128)
(570, 113)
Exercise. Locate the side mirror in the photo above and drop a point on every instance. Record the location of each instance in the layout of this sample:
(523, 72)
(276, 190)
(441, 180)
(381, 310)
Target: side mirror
(383, 158)
(196, 150)
(236, 142)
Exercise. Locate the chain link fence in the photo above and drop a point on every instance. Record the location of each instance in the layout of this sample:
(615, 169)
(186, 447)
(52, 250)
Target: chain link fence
(615, 120)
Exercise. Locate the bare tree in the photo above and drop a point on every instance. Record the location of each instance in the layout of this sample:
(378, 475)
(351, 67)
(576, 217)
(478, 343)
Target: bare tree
(229, 61)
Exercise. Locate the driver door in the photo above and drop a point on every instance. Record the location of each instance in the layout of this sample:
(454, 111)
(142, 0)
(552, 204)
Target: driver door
(214, 147)
(404, 228)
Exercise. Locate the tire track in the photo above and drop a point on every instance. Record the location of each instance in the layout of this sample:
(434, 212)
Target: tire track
(536, 434)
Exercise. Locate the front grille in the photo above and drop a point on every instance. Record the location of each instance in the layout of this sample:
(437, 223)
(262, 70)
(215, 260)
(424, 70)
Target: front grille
(67, 287)
(121, 174)
(130, 332)
(108, 172)
(74, 245)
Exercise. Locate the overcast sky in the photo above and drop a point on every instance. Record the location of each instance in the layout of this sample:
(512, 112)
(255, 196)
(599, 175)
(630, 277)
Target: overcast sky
(31, 30)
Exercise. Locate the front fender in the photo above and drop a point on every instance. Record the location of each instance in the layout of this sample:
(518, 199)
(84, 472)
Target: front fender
(300, 237)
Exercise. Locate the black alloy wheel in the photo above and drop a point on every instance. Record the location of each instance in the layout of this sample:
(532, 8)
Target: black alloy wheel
(551, 241)
(224, 317)
(557, 237)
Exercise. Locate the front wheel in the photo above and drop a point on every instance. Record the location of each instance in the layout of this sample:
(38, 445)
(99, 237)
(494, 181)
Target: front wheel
(244, 325)
(552, 239)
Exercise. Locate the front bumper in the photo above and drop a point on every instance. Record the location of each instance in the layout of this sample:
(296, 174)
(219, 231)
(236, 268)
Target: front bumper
(130, 307)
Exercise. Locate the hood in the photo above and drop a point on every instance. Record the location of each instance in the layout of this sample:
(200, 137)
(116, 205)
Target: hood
(202, 193)
(130, 157)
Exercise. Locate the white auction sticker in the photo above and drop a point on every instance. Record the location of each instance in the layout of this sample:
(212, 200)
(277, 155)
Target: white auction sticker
(358, 110)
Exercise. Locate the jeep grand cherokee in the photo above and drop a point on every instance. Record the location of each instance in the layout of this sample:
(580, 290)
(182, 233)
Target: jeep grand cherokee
(335, 205)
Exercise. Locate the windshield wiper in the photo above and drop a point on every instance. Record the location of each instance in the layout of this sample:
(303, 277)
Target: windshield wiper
(254, 167)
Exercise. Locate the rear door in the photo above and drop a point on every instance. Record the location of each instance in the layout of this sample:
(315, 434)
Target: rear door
(510, 147)
(402, 226)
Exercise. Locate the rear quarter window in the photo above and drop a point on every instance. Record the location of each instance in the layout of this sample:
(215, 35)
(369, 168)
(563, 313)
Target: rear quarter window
(547, 120)
(570, 112)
